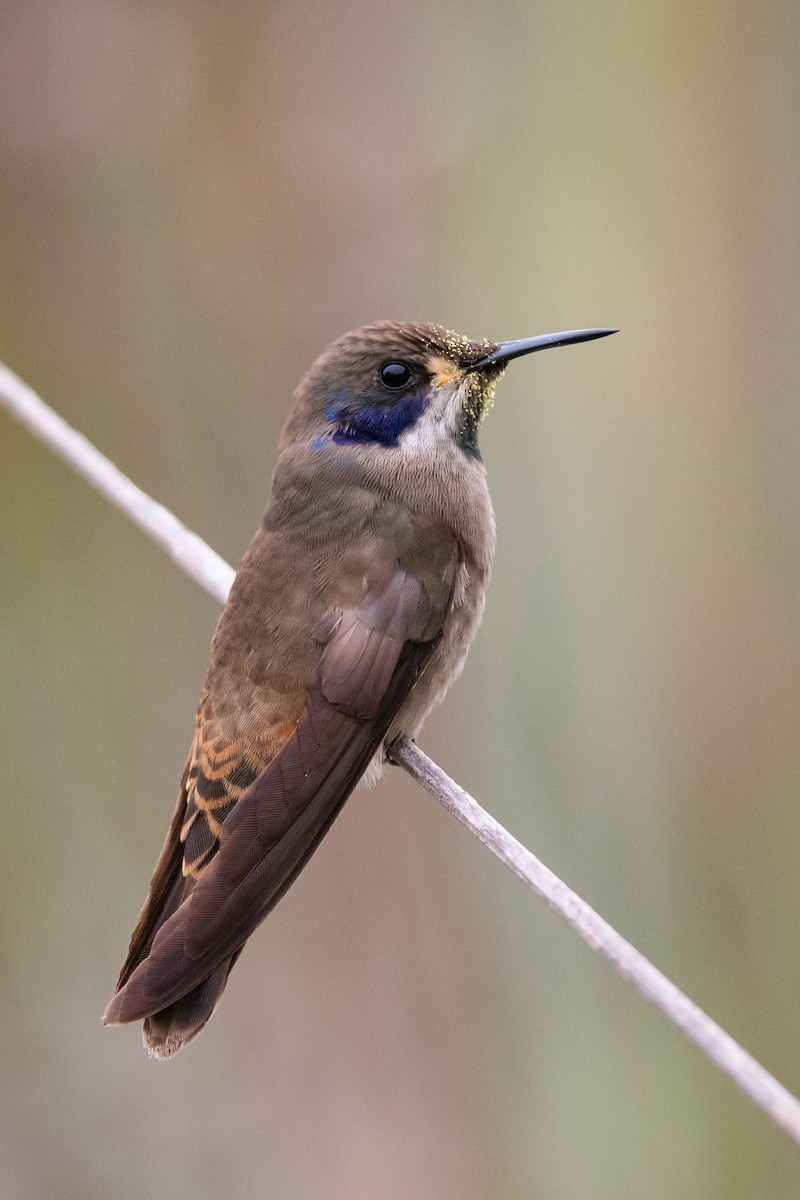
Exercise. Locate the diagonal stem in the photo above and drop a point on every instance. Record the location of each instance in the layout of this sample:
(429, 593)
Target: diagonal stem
(189, 551)
(206, 567)
(712, 1039)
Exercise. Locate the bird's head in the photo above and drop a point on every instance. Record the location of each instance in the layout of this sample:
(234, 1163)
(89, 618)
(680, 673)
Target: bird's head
(406, 388)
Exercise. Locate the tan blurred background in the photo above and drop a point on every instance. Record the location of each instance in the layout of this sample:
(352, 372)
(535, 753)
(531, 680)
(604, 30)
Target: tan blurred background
(195, 199)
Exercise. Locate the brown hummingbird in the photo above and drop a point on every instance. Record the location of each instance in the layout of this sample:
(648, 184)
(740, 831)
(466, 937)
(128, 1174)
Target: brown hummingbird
(349, 618)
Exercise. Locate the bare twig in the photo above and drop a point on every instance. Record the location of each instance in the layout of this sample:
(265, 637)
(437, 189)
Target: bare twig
(200, 562)
(185, 548)
(720, 1047)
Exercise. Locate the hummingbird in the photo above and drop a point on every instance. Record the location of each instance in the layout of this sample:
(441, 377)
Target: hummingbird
(350, 616)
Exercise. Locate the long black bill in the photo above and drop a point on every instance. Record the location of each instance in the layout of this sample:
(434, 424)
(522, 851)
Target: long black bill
(508, 350)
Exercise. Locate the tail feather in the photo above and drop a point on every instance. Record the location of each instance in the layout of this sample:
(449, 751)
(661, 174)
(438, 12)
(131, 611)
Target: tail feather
(194, 925)
(168, 1031)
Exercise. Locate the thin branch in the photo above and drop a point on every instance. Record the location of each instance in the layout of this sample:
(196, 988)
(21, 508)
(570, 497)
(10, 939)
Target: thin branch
(185, 548)
(200, 562)
(720, 1047)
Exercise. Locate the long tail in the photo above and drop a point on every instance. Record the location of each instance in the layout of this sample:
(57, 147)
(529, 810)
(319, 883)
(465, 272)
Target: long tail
(180, 957)
(168, 1031)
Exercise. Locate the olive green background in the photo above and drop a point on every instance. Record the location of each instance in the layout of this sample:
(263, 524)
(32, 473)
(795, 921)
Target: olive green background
(195, 199)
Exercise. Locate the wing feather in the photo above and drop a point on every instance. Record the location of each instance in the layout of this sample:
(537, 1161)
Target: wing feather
(373, 657)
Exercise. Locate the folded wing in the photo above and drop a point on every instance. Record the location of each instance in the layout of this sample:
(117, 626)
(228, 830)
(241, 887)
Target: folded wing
(177, 969)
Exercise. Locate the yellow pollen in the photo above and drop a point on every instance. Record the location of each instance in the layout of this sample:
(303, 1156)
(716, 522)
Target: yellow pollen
(443, 371)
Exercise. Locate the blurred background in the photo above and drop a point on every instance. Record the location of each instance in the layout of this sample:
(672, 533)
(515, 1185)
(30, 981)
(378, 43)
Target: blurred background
(196, 198)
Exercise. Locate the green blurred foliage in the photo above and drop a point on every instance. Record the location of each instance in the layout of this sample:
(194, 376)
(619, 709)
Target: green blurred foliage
(195, 199)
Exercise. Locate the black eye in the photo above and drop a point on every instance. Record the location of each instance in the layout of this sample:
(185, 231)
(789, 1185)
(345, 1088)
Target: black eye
(395, 374)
